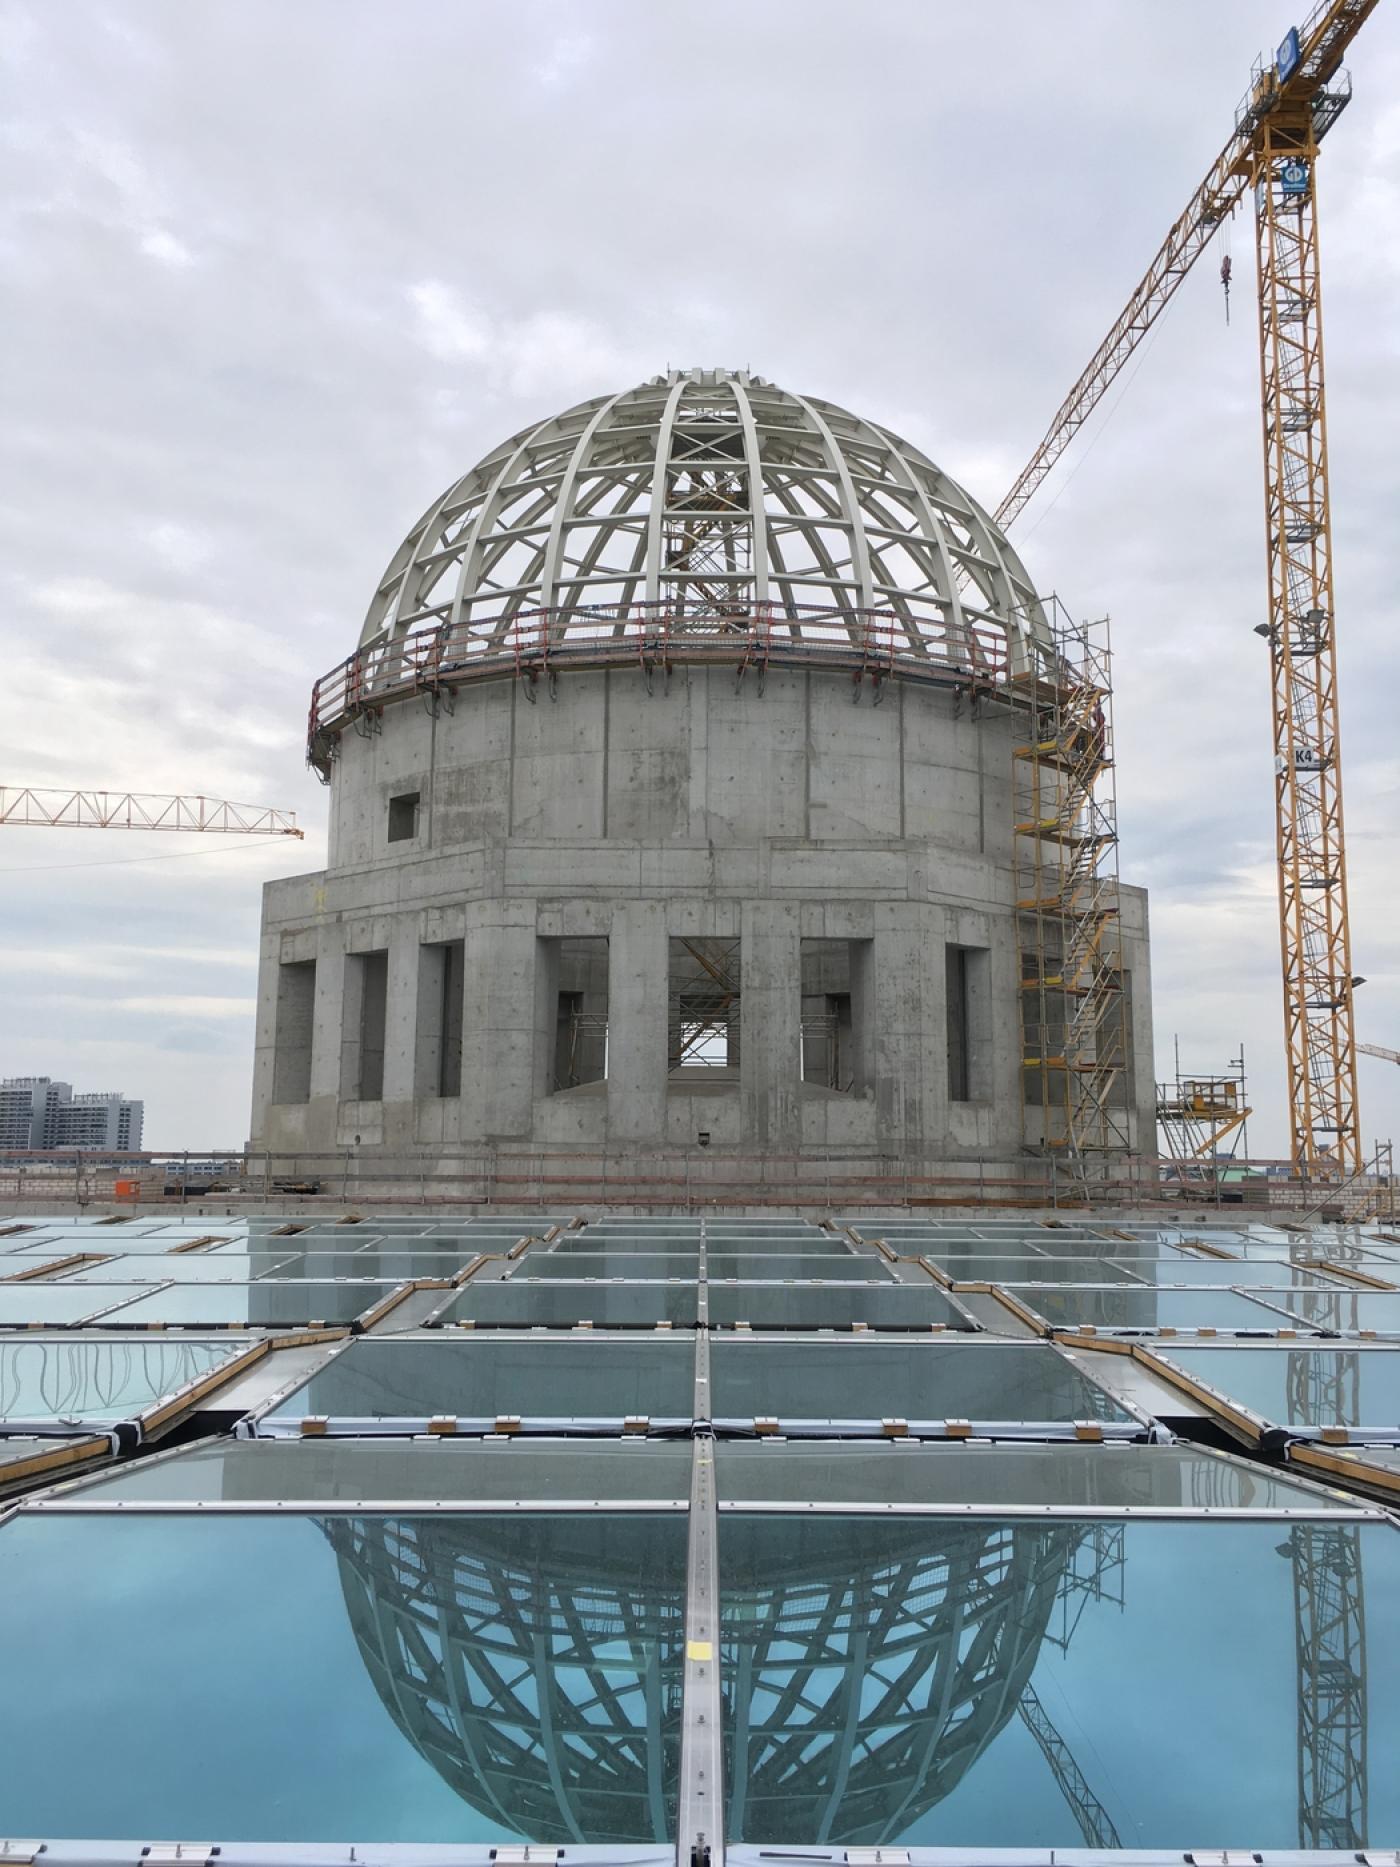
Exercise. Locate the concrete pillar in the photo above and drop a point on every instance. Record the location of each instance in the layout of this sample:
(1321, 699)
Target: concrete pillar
(911, 1086)
(770, 1060)
(330, 1006)
(401, 1010)
(638, 970)
(499, 1048)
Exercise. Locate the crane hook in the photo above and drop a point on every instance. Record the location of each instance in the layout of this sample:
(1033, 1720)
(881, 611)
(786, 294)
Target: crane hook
(1225, 281)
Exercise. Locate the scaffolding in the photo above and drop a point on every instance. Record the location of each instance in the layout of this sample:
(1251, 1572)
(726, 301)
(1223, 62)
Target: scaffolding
(1075, 1102)
(1202, 1120)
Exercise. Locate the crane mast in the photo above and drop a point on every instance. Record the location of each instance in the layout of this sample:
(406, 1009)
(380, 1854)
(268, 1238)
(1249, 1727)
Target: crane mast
(1293, 101)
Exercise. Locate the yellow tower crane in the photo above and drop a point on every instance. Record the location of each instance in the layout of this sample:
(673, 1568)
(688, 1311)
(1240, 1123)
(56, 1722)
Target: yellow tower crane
(1293, 101)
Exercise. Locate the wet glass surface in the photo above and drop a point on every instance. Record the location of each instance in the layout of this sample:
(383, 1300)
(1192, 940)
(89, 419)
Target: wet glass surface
(870, 1378)
(1081, 1306)
(552, 1304)
(1301, 1386)
(265, 1305)
(805, 1306)
(398, 1471)
(903, 1682)
(369, 1679)
(480, 1377)
(1069, 1477)
(99, 1382)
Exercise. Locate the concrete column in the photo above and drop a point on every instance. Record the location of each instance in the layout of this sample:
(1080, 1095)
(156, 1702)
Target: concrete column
(638, 970)
(499, 1047)
(401, 1010)
(330, 1007)
(770, 1059)
(911, 1086)
(265, 1039)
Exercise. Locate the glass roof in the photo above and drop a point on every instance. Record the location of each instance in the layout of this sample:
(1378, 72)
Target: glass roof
(458, 1567)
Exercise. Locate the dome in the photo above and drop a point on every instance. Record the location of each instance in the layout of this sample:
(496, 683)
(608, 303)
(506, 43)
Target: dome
(711, 497)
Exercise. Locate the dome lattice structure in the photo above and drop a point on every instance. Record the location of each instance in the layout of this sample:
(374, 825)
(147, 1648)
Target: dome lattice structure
(548, 1695)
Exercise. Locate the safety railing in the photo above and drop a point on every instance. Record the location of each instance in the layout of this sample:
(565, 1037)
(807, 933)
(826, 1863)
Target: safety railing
(539, 643)
(642, 1179)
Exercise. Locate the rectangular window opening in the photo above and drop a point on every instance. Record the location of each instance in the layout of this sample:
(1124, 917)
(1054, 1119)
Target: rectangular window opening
(969, 1023)
(576, 996)
(403, 817)
(703, 1005)
(367, 994)
(438, 1053)
(835, 1014)
(296, 1018)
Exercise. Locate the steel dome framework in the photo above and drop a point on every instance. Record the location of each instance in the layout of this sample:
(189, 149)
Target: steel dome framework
(710, 493)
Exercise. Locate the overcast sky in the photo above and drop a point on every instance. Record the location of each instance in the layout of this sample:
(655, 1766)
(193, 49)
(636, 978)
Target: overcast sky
(279, 270)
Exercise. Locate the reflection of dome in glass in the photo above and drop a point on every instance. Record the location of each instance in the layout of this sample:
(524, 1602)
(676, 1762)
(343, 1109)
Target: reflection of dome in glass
(546, 1691)
(860, 1687)
(709, 493)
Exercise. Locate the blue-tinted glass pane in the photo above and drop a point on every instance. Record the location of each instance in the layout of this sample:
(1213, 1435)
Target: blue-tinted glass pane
(33, 1305)
(1124, 1308)
(265, 1305)
(910, 1682)
(98, 1382)
(349, 1472)
(993, 1266)
(447, 1679)
(1302, 1386)
(481, 1377)
(809, 1306)
(552, 1304)
(1106, 1477)
(541, 1264)
(848, 1268)
(869, 1378)
(1344, 1312)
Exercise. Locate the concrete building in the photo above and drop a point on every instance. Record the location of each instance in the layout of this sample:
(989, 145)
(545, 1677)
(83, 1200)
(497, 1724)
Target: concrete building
(39, 1113)
(675, 804)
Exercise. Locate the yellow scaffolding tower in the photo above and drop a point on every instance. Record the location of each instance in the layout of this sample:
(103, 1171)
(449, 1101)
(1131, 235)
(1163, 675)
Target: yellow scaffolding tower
(1075, 1087)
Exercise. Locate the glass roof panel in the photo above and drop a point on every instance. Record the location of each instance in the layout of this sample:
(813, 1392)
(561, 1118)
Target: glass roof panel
(913, 1682)
(265, 1305)
(394, 1267)
(1301, 1387)
(481, 1377)
(403, 1471)
(973, 1265)
(875, 1378)
(417, 1679)
(1249, 1275)
(187, 1267)
(1069, 1477)
(41, 1303)
(69, 1378)
(1345, 1312)
(765, 1265)
(1070, 1307)
(816, 1306)
(549, 1304)
(541, 1264)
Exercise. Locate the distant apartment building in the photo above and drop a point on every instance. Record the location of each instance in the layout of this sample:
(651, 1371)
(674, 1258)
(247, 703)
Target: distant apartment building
(37, 1113)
